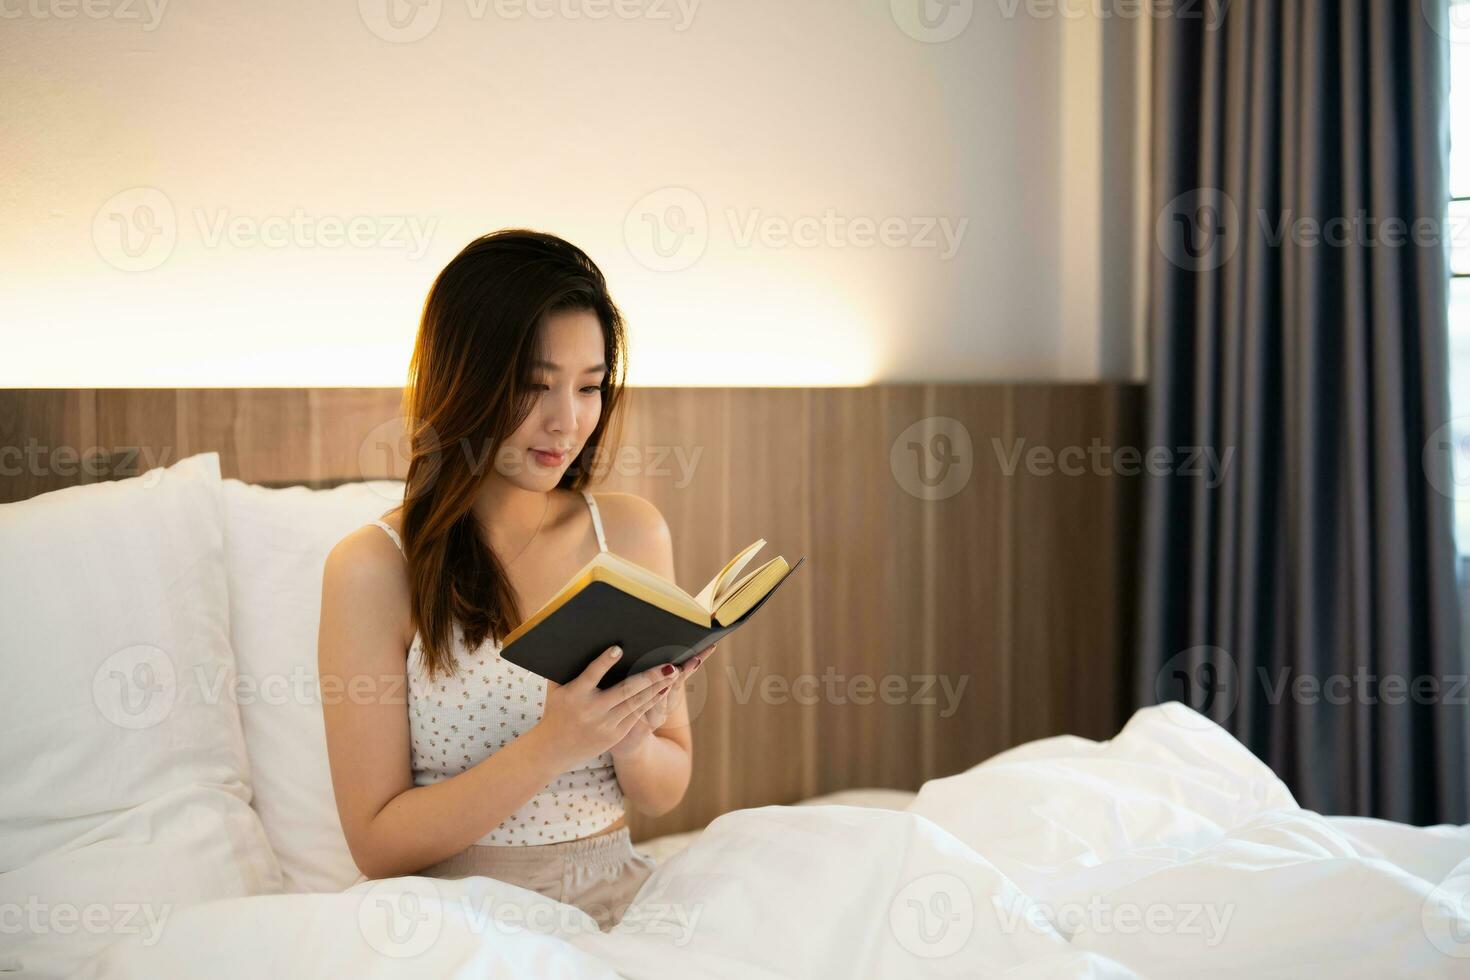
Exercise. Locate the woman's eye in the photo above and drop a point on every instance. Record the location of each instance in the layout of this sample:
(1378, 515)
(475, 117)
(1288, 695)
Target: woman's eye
(591, 388)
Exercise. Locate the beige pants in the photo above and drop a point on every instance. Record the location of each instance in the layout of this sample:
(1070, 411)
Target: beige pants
(599, 874)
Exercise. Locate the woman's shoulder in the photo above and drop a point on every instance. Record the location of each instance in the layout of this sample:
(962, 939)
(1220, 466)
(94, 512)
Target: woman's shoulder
(366, 571)
(370, 542)
(369, 561)
(634, 525)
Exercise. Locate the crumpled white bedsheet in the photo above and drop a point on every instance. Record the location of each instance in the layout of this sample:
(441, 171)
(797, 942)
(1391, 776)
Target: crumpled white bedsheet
(1168, 850)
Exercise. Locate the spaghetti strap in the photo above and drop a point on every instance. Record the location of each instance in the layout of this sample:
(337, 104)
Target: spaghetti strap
(596, 521)
(392, 534)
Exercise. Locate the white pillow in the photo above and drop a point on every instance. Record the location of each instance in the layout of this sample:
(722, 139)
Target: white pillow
(276, 544)
(125, 776)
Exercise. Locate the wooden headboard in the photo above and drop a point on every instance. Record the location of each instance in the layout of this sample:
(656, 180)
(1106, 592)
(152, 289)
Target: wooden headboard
(942, 615)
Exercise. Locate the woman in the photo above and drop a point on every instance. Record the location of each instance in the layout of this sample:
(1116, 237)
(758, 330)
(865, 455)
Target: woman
(446, 759)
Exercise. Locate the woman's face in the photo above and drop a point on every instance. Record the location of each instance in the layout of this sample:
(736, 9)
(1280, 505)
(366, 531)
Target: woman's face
(568, 390)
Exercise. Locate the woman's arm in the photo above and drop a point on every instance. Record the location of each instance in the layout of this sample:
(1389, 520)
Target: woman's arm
(654, 769)
(393, 827)
(654, 762)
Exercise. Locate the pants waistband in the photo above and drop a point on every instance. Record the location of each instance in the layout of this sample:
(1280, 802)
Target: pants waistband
(599, 848)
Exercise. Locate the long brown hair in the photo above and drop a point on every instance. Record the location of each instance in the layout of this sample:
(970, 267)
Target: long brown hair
(469, 387)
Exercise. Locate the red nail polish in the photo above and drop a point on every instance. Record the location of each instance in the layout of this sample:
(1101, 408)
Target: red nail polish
(669, 669)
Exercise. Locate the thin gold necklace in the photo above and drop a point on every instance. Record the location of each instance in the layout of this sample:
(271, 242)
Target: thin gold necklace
(544, 509)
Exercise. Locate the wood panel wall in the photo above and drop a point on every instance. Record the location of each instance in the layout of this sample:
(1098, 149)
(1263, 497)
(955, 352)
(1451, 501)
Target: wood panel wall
(1017, 585)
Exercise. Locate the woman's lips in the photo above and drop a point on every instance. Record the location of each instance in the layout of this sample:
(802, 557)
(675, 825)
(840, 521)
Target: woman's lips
(548, 459)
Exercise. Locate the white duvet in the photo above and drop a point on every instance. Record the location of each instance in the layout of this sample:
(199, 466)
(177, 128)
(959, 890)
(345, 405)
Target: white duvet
(1166, 851)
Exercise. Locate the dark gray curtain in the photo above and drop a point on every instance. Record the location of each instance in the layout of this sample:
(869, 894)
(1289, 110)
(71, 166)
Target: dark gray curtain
(1314, 367)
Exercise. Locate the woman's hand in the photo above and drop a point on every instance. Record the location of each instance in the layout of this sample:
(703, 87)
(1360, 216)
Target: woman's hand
(658, 712)
(580, 721)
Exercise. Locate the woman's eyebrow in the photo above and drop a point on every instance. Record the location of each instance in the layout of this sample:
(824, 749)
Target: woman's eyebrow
(550, 366)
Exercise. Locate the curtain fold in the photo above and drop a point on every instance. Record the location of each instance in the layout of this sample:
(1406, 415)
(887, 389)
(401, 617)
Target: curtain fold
(1298, 330)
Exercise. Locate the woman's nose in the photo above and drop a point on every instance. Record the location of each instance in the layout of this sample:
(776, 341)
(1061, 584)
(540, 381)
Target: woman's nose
(561, 414)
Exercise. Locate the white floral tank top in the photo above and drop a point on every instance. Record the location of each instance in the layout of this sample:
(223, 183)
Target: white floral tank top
(459, 720)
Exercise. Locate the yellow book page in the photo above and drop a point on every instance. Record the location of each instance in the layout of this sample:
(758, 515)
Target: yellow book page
(719, 587)
(749, 590)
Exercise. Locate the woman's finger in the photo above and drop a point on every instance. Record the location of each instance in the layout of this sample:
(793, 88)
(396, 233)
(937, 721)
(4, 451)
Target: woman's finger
(658, 712)
(638, 703)
(622, 694)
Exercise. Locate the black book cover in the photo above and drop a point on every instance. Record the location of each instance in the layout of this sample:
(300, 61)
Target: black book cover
(561, 646)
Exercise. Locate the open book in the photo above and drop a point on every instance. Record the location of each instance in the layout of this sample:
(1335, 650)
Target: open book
(612, 600)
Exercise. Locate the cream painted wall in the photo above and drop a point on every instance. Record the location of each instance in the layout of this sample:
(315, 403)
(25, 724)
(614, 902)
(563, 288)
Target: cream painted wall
(260, 193)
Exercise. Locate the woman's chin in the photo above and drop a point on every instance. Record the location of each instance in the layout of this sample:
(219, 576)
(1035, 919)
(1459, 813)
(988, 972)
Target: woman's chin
(538, 479)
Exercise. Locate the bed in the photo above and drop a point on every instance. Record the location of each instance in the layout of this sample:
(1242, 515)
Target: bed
(1165, 851)
(167, 812)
